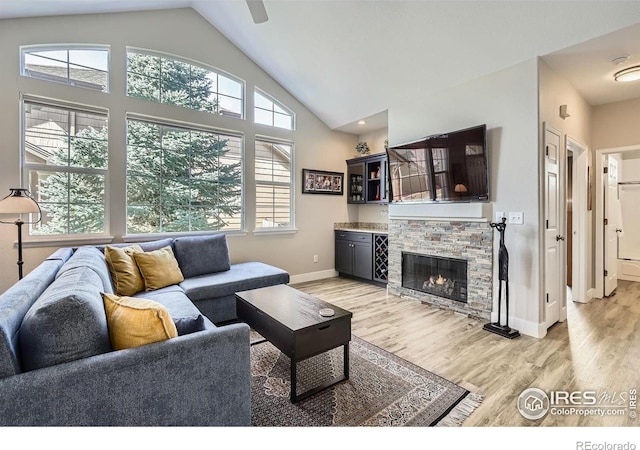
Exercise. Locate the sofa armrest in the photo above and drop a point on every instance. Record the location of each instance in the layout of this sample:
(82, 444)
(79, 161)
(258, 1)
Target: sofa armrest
(201, 379)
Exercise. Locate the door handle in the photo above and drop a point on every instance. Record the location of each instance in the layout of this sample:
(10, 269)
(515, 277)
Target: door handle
(559, 238)
(618, 230)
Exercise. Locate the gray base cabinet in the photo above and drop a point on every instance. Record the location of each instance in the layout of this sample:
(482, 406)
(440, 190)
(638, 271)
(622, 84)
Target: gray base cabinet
(354, 254)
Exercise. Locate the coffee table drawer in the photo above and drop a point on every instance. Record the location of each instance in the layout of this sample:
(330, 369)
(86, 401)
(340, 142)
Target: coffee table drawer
(322, 337)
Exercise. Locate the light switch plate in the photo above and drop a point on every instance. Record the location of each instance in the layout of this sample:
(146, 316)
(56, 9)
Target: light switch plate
(516, 218)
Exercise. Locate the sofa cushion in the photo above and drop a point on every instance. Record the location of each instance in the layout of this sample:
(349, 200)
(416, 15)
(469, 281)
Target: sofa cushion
(126, 277)
(66, 323)
(198, 255)
(159, 268)
(14, 304)
(146, 246)
(92, 258)
(174, 299)
(134, 322)
(240, 277)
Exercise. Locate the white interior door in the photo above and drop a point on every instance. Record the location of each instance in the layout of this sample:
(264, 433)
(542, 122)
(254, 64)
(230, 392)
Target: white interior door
(553, 228)
(611, 211)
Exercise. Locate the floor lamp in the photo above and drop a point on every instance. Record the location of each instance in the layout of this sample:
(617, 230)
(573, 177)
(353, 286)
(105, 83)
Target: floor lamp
(19, 202)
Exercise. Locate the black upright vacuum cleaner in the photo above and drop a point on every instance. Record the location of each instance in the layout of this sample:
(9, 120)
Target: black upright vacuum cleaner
(503, 275)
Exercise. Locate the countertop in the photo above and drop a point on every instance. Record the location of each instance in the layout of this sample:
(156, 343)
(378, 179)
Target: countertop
(361, 227)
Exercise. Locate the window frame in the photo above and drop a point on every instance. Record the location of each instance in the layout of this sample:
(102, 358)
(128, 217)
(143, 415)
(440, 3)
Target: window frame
(26, 167)
(199, 64)
(272, 111)
(26, 49)
(291, 185)
(165, 122)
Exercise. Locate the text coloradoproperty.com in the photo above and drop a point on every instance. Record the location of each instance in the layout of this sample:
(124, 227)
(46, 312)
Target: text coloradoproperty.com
(569, 411)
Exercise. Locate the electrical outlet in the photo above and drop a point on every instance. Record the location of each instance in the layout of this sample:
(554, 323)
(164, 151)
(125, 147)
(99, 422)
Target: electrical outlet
(516, 218)
(315, 258)
(499, 216)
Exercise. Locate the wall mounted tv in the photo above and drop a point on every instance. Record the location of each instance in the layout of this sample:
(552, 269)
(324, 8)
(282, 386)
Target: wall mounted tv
(449, 167)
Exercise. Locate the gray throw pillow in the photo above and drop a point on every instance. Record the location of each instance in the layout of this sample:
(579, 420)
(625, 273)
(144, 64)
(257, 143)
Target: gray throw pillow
(188, 325)
(66, 323)
(199, 255)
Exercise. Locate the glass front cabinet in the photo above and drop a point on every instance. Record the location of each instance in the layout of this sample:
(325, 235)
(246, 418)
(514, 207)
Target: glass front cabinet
(367, 179)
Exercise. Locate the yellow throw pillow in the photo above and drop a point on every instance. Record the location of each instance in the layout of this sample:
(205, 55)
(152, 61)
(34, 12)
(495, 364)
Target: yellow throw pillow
(158, 268)
(124, 271)
(136, 321)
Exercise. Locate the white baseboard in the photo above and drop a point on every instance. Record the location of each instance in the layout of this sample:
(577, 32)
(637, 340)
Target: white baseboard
(312, 276)
(536, 330)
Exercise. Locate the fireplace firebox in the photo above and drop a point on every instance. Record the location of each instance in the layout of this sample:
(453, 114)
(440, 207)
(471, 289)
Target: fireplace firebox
(435, 275)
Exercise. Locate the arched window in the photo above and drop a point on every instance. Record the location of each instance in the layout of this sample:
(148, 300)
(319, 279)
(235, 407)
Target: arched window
(163, 79)
(83, 66)
(268, 111)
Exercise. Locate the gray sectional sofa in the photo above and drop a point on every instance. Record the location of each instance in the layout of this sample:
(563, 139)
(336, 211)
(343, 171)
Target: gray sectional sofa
(57, 366)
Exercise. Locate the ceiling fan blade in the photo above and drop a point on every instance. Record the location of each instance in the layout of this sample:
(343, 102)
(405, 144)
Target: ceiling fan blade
(257, 10)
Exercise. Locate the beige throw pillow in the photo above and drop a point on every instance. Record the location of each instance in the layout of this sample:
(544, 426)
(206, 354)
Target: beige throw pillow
(136, 321)
(158, 268)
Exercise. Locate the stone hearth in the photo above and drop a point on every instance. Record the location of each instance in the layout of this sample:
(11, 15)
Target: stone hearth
(470, 241)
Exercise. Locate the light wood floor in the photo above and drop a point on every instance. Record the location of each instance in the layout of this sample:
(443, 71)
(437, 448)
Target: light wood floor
(597, 348)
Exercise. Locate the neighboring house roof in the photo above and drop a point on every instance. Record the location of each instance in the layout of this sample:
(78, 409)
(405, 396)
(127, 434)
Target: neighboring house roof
(90, 78)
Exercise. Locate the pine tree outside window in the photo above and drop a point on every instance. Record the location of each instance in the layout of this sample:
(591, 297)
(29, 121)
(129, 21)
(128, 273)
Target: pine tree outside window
(182, 179)
(162, 79)
(65, 154)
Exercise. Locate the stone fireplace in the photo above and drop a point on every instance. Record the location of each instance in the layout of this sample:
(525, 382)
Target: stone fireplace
(443, 263)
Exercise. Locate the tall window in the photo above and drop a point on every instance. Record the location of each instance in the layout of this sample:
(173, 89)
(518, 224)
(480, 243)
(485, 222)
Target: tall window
(86, 67)
(270, 112)
(65, 163)
(182, 179)
(274, 185)
(165, 80)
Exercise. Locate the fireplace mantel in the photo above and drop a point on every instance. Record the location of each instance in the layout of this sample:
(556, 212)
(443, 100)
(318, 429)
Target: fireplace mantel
(466, 212)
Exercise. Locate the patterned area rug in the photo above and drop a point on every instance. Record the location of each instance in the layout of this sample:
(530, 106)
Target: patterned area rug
(382, 390)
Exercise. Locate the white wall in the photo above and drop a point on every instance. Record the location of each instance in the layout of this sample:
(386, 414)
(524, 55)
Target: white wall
(507, 101)
(616, 124)
(184, 33)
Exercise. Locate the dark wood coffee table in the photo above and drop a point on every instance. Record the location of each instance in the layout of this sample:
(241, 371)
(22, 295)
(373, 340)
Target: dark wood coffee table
(291, 321)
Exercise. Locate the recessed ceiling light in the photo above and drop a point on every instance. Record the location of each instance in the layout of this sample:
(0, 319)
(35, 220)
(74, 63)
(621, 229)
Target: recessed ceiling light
(361, 122)
(628, 74)
(619, 60)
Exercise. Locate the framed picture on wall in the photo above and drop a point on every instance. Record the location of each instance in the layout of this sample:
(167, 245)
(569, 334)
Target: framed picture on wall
(322, 182)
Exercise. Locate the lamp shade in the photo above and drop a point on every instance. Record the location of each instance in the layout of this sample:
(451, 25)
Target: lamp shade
(18, 202)
(460, 188)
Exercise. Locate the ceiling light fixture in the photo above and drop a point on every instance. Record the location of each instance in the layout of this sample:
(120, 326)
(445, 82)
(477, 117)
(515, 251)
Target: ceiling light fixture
(362, 122)
(628, 74)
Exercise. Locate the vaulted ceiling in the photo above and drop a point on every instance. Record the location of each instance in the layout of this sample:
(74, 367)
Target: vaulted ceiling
(348, 60)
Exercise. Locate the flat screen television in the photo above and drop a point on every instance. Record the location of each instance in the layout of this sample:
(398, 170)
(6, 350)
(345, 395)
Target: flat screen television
(449, 167)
